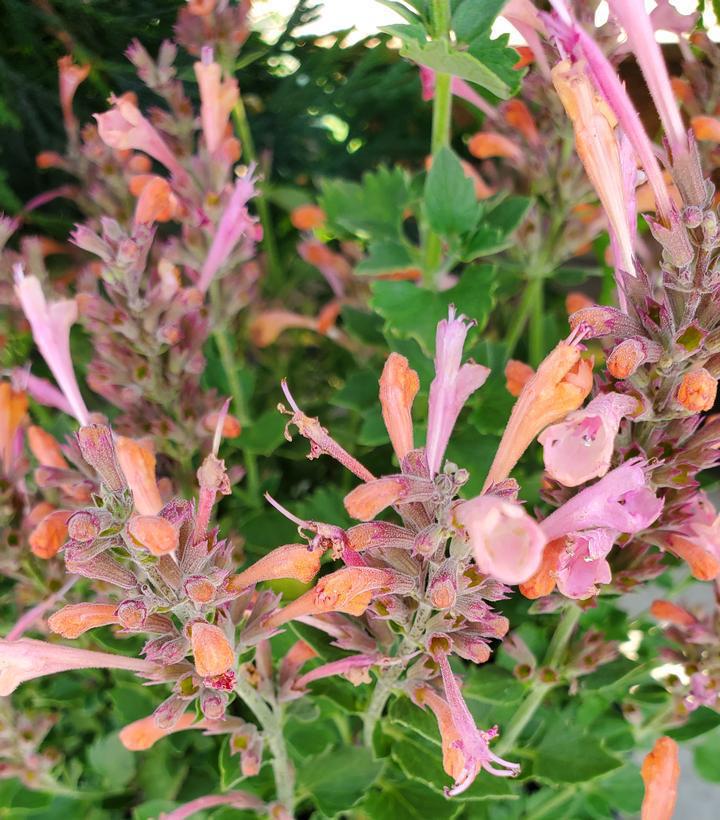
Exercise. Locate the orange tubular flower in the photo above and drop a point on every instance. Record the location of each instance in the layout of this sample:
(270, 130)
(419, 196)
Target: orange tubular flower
(561, 384)
(267, 326)
(453, 759)
(13, 406)
(369, 499)
(217, 99)
(73, 620)
(486, 144)
(157, 535)
(212, 650)
(291, 561)
(671, 613)
(231, 427)
(156, 200)
(517, 375)
(703, 565)
(45, 448)
(697, 391)
(543, 582)
(50, 534)
(307, 217)
(399, 385)
(660, 773)
(517, 115)
(706, 129)
(138, 466)
(144, 733)
(575, 301)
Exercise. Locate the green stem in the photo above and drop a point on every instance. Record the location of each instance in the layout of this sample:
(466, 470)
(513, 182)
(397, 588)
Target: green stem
(553, 658)
(229, 360)
(269, 244)
(271, 721)
(442, 110)
(537, 321)
(515, 331)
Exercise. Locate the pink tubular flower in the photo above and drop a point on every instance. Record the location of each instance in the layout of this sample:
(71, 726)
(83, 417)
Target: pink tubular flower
(580, 448)
(71, 76)
(633, 17)
(582, 563)
(236, 800)
(235, 223)
(124, 128)
(50, 324)
(621, 500)
(453, 384)
(355, 668)
(41, 390)
(472, 744)
(217, 99)
(506, 542)
(399, 385)
(26, 659)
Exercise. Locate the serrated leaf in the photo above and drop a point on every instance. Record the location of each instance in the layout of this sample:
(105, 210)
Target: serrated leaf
(496, 227)
(338, 778)
(441, 57)
(450, 203)
(362, 325)
(385, 256)
(568, 755)
(470, 18)
(410, 32)
(400, 798)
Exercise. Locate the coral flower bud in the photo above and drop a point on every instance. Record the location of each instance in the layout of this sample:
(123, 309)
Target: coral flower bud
(542, 583)
(199, 590)
(211, 648)
(291, 561)
(626, 357)
(367, 500)
(518, 116)
(307, 217)
(399, 385)
(505, 541)
(660, 773)
(50, 534)
(48, 159)
(45, 448)
(138, 466)
(73, 620)
(155, 534)
(156, 200)
(706, 129)
(697, 391)
(604, 321)
(672, 613)
(703, 564)
(145, 733)
(575, 301)
(517, 375)
(230, 427)
(486, 144)
(132, 614)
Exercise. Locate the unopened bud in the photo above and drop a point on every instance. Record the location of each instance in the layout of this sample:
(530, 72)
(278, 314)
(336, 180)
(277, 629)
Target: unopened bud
(50, 534)
(213, 704)
(132, 613)
(697, 391)
(604, 321)
(86, 525)
(211, 648)
(692, 216)
(97, 448)
(471, 647)
(199, 590)
(169, 712)
(626, 357)
(442, 589)
(155, 534)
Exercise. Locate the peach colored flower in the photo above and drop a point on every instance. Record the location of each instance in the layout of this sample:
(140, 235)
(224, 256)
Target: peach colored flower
(660, 773)
(73, 620)
(399, 385)
(138, 466)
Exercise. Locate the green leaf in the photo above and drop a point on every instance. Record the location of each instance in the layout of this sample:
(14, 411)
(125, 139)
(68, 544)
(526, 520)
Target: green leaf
(702, 720)
(399, 798)
(372, 207)
(442, 57)
(413, 32)
(338, 778)
(707, 759)
(132, 701)
(494, 233)
(450, 201)
(385, 256)
(265, 434)
(112, 761)
(359, 392)
(362, 325)
(492, 684)
(472, 18)
(152, 809)
(499, 59)
(403, 11)
(373, 432)
(568, 755)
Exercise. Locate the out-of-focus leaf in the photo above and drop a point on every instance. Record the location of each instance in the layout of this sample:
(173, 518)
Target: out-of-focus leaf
(702, 720)
(567, 755)
(112, 761)
(450, 201)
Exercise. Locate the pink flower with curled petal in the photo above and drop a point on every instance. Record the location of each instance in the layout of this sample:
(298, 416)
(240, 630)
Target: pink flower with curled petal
(50, 324)
(582, 564)
(621, 500)
(71, 76)
(26, 659)
(581, 447)
(235, 223)
(505, 541)
(452, 386)
(217, 99)
(124, 128)
(472, 743)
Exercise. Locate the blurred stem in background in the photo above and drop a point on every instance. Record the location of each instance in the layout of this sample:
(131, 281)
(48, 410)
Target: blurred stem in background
(442, 109)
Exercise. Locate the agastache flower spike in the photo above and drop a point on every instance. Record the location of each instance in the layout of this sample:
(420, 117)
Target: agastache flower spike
(581, 447)
(559, 386)
(320, 441)
(399, 385)
(472, 743)
(217, 99)
(50, 324)
(452, 386)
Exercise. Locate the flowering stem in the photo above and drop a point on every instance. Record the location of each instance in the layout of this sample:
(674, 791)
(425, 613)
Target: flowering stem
(553, 658)
(442, 108)
(271, 721)
(248, 147)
